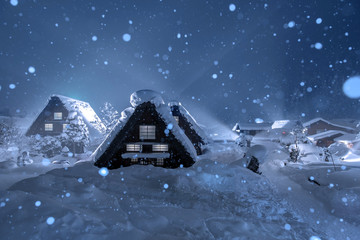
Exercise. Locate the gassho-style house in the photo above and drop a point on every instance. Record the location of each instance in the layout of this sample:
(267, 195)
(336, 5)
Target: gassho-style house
(147, 133)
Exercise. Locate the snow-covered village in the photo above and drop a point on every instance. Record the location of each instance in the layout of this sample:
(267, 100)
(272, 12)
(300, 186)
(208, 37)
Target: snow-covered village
(180, 119)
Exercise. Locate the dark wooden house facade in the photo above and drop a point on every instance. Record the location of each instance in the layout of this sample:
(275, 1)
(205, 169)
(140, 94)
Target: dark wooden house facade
(191, 129)
(149, 136)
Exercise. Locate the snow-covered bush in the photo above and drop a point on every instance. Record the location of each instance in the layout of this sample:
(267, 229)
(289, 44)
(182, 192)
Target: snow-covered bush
(9, 134)
(49, 146)
(109, 116)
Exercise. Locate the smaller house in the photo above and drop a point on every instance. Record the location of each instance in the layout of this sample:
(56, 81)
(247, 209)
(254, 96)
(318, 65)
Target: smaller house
(325, 139)
(59, 112)
(189, 125)
(251, 128)
(319, 125)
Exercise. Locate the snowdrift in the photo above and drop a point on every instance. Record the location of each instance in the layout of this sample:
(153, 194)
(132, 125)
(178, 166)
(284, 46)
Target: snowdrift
(207, 201)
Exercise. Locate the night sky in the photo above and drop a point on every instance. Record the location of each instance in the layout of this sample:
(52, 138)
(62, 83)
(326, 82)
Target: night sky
(232, 60)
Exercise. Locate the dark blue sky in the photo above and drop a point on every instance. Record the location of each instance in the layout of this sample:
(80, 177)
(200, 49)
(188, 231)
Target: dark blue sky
(234, 65)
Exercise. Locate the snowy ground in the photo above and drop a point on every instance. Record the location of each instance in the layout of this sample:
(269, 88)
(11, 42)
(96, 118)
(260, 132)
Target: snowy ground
(217, 198)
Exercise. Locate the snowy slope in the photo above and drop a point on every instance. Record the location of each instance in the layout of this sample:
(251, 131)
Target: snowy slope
(216, 198)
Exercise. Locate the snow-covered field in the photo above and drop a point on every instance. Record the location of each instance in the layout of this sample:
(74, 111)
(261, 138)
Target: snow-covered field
(216, 198)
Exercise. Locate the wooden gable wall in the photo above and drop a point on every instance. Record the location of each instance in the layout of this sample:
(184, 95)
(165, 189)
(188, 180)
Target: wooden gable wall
(47, 116)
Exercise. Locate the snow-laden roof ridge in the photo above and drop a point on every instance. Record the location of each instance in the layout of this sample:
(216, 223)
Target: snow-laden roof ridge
(347, 137)
(66, 98)
(146, 95)
(194, 123)
(166, 115)
(308, 123)
(125, 115)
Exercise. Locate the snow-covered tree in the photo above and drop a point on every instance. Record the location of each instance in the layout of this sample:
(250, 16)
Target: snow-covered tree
(244, 141)
(298, 132)
(109, 116)
(294, 153)
(49, 146)
(299, 136)
(77, 131)
(9, 133)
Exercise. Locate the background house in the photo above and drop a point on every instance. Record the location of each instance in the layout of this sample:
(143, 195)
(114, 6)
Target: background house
(325, 139)
(319, 125)
(251, 128)
(62, 114)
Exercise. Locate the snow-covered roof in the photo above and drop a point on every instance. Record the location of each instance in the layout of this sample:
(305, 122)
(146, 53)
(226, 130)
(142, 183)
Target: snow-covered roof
(347, 137)
(288, 124)
(125, 115)
(146, 95)
(328, 122)
(251, 126)
(352, 123)
(84, 109)
(165, 113)
(325, 134)
(167, 116)
(190, 119)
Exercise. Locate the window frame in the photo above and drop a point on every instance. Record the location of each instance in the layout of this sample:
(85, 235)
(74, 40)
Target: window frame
(159, 162)
(58, 116)
(48, 127)
(160, 147)
(147, 132)
(132, 147)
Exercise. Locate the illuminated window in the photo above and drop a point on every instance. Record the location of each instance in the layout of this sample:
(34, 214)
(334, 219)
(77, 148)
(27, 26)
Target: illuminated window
(177, 119)
(133, 147)
(160, 161)
(57, 115)
(134, 160)
(65, 126)
(147, 132)
(160, 148)
(48, 127)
